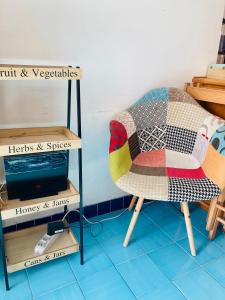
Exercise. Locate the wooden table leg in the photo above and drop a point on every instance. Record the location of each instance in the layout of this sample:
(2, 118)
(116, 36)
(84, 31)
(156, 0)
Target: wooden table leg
(211, 214)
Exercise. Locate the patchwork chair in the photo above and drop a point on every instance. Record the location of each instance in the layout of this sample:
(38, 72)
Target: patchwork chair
(167, 147)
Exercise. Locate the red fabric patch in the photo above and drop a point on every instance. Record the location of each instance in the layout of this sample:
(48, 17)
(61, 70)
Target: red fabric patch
(118, 135)
(185, 173)
(154, 158)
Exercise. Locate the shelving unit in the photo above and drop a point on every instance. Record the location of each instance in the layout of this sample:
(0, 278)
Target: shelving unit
(18, 247)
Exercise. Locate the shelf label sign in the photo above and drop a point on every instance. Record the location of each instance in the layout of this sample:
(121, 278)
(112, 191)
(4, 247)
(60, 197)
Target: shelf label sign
(11, 72)
(40, 147)
(44, 258)
(36, 208)
(41, 259)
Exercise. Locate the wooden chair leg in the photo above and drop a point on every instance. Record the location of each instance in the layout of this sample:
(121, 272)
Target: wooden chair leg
(189, 227)
(211, 214)
(133, 200)
(133, 221)
(181, 208)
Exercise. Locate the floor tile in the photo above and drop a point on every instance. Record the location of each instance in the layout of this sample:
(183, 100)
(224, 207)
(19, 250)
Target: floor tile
(198, 220)
(174, 226)
(159, 210)
(173, 261)
(50, 276)
(71, 291)
(112, 226)
(95, 260)
(220, 238)
(167, 291)
(151, 277)
(150, 238)
(113, 247)
(142, 221)
(106, 285)
(19, 287)
(206, 250)
(88, 237)
(216, 268)
(198, 285)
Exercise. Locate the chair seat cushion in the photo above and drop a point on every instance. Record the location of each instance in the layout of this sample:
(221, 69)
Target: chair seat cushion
(168, 175)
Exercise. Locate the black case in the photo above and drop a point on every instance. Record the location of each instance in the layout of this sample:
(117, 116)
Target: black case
(36, 175)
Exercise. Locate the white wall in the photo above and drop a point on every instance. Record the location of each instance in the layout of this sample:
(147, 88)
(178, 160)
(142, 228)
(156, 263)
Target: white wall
(124, 47)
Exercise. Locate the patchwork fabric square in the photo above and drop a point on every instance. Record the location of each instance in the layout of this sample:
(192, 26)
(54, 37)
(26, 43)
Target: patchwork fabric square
(126, 119)
(134, 146)
(187, 189)
(200, 148)
(177, 95)
(177, 115)
(156, 95)
(151, 171)
(149, 114)
(154, 158)
(180, 139)
(153, 138)
(180, 160)
(218, 140)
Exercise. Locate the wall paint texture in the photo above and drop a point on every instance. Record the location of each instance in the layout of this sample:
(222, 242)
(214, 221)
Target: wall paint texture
(124, 47)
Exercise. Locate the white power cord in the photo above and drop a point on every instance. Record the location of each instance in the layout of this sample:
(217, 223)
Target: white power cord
(95, 222)
(103, 220)
(1, 200)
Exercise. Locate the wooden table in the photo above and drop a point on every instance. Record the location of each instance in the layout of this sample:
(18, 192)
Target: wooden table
(210, 94)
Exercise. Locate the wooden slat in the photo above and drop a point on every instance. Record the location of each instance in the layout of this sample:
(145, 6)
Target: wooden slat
(32, 72)
(208, 81)
(16, 208)
(19, 247)
(206, 94)
(220, 207)
(33, 140)
(220, 220)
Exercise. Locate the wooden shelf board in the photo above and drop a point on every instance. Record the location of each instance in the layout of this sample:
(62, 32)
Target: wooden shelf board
(206, 94)
(32, 140)
(19, 247)
(208, 81)
(17, 208)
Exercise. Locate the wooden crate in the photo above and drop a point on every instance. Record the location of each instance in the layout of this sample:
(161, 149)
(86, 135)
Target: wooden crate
(19, 247)
(32, 140)
(17, 208)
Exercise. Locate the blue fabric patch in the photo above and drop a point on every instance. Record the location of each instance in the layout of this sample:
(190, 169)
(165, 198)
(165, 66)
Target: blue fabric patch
(160, 94)
(218, 140)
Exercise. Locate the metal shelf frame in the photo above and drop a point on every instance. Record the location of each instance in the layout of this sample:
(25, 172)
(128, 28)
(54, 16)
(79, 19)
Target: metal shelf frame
(69, 105)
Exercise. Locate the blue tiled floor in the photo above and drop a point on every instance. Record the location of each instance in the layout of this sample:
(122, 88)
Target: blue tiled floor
(156, 265)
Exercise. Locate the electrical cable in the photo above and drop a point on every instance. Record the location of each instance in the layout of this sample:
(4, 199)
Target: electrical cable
(98, 222)
(1, 192)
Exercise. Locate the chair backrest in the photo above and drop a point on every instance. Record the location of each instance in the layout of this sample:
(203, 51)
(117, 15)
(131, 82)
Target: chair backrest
(165, 118)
